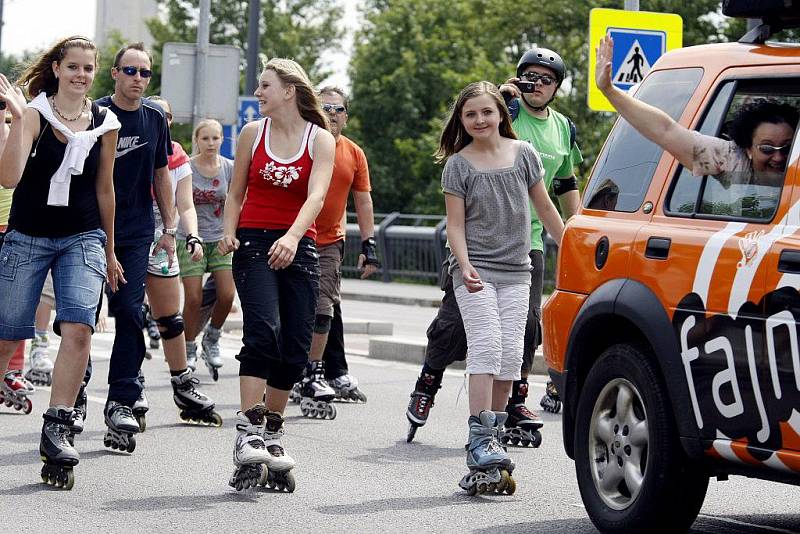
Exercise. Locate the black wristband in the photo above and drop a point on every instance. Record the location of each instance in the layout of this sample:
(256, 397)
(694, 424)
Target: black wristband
(564, 185)
(370, 252)
(191, 242)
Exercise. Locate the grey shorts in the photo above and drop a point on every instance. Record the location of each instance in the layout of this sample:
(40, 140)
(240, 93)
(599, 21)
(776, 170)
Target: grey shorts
(330, 281)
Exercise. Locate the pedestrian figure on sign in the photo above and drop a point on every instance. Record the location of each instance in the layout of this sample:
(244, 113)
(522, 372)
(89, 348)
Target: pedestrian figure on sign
(635, 75)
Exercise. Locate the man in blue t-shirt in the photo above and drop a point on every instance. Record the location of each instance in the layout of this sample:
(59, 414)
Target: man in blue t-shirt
(140, 170)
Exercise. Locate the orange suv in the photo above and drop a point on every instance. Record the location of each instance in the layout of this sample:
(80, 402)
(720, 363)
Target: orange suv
(672, 335)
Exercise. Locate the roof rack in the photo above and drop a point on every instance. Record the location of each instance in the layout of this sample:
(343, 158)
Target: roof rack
(775, 15)
(768, 27)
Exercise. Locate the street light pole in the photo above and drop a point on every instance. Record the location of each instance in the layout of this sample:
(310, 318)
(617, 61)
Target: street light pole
(201, 63)
(253, 20)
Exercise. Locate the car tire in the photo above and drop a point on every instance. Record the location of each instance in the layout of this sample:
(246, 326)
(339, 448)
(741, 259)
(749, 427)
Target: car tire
(632, 473)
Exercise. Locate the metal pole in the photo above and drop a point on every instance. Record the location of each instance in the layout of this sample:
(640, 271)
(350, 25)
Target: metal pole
(753, 23)
(1, 25)
(201, 63)
(631, 5)
(252, 46)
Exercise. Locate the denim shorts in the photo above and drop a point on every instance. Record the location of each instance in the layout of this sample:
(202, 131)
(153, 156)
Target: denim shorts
(78, 266)
(277, 307)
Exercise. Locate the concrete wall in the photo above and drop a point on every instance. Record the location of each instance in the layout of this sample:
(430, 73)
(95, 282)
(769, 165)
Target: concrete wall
(127, 17)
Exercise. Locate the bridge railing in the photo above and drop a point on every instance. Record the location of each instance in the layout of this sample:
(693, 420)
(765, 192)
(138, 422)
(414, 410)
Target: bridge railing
(412, 247)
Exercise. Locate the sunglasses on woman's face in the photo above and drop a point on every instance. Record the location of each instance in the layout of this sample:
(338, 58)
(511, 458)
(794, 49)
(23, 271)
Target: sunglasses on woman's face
(769, 150)
(131, 71)
(327, 108)
(536, 77)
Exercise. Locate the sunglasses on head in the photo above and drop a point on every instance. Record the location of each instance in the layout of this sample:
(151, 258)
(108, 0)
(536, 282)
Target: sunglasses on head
(769, 150)
(536, 77)
(327, 108)
(131, 71)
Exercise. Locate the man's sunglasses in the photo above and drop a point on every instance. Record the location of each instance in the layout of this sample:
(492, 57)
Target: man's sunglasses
(131, 71)
(769, 150)
(536, 77)
(327, 108)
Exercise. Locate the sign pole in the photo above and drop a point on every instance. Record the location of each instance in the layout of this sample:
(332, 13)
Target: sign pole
(631, 5)
(252, 46)
(201, 65)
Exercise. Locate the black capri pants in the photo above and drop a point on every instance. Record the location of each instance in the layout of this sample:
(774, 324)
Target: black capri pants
(447, 341)
(277, 307)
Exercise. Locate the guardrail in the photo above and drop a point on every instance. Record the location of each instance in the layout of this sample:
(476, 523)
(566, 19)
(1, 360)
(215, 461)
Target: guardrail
(412, 247)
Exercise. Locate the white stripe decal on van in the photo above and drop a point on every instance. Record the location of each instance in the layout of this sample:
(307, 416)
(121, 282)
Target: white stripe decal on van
(709, 257)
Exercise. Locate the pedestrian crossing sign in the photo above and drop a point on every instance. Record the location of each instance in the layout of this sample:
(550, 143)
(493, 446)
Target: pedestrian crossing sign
(640, 38)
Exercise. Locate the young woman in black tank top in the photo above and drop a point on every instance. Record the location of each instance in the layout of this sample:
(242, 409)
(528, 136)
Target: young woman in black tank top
(62, 220)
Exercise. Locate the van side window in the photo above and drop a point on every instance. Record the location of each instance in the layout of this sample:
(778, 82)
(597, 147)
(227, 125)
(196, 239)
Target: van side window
(626, 165)
(741, 196)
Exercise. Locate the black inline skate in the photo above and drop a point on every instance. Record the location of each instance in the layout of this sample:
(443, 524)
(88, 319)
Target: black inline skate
(195, 407)
(316, 393)
(419, 407)
(58, 455)
(79, 414)
(122, 427)
(522, 427)
(551, 402)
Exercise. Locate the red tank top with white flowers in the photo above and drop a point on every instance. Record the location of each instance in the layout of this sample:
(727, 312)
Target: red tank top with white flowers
(276, 187)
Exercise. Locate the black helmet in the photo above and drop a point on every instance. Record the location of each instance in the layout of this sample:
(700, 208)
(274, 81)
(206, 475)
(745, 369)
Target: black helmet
(545, 58)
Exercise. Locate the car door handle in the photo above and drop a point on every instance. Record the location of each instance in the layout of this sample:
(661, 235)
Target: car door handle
(789, 261)
(658, 248)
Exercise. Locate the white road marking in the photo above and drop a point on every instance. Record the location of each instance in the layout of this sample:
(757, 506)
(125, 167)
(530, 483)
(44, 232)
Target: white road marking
(745, 524)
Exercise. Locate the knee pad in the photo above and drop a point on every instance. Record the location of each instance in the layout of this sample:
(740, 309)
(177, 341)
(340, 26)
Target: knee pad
(322, 324)
(172, 325)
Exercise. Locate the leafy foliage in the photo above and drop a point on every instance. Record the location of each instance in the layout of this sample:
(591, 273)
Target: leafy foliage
(412, 57)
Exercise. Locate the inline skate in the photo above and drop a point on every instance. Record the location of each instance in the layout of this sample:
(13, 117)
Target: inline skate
(277, 474)
(58, 455)
(210, 354)
(551, 402)
(191, 355)
(419, 407)
(14, 392)
(122, 427)
(316, 393)
(522, 427)
(79, 414)
(141, 406)
(346, 388)
(295, 395)
(195, 407)
(249, 450)
(489, 465)
(41, 366)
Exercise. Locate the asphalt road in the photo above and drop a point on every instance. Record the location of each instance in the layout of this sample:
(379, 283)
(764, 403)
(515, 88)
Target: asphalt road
(354, 474)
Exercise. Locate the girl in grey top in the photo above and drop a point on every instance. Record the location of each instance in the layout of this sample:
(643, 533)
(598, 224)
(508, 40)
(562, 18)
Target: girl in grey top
(487, 181)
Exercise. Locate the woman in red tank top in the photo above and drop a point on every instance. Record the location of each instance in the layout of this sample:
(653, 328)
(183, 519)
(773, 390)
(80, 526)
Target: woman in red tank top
(281, 173)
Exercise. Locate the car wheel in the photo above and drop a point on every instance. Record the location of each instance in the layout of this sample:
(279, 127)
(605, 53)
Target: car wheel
(632, 472)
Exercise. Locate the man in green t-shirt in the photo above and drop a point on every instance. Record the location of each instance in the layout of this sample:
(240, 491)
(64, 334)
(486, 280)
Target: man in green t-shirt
(528, 96)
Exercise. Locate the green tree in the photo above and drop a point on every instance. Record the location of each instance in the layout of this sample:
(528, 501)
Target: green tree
(299, 29)
(413, 56)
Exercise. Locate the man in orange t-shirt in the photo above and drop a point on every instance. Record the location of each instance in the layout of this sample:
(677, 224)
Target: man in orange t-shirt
(350, 173)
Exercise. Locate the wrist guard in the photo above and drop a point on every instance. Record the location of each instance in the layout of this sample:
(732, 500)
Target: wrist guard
(370, 252)
(192, 241)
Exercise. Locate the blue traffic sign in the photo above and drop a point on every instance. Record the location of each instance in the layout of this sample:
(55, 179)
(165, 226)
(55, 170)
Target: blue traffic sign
(635, 52)
(228, 147)
(248, 110)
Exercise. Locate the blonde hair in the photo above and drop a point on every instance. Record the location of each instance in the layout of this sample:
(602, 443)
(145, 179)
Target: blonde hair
(39, 77)
(454, 136)
(291, 73)
(205, 123)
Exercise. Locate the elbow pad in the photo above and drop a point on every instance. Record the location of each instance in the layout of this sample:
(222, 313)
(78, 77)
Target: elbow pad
(564, 185)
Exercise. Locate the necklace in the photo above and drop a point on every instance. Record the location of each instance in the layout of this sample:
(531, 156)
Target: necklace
(73, 119)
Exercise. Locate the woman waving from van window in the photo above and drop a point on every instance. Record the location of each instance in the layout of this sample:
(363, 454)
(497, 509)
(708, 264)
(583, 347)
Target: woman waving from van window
(761, 133)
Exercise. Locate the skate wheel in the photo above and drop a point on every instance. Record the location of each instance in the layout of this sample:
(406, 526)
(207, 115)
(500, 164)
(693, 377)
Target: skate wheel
(216, 419)
(412, 431)
(140, 419)
(524, 442)
(215, 374)
(515, 441)
(17, 407)
(8, 403)
(472, 491)
(504, 440)
(510, 483)
(131, 444)
(330, 411)
(26, 409)
(537, 439)
(290, 483)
